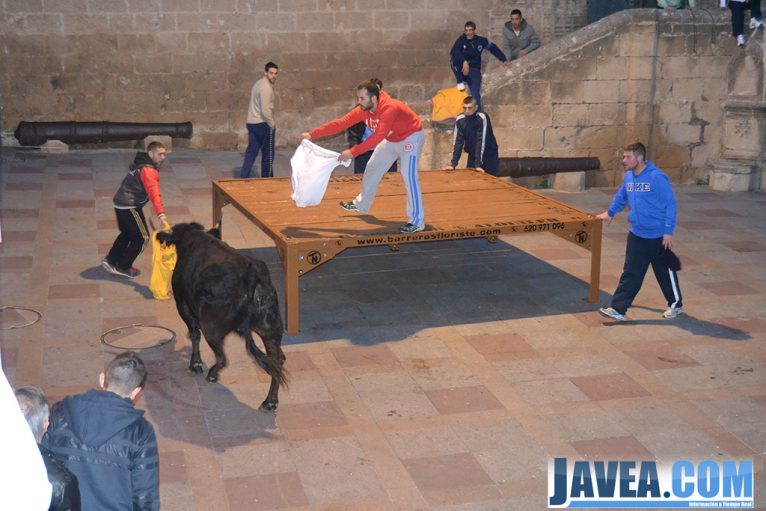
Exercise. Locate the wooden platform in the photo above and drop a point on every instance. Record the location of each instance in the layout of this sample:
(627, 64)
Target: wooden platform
(459, 204)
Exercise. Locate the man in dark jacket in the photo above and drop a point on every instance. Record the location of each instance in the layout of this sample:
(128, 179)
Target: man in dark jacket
(465, 59)
(141, 185)
(107, 443)
(519, 38)
(473, 133)
(66, 493)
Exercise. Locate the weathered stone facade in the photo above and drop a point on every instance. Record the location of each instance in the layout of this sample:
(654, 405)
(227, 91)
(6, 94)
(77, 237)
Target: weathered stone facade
(195, 60)
(181, 60)
(642, 75)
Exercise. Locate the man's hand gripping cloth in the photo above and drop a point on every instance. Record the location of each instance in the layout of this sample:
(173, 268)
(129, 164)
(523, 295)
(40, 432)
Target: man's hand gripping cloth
(312, 166)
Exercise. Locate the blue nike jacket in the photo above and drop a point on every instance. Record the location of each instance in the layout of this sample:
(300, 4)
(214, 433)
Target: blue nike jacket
(652, 203)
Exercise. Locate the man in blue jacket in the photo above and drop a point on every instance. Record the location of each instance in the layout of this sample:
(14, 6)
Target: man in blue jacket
(465, 59)
(652, 219)
(107, 443)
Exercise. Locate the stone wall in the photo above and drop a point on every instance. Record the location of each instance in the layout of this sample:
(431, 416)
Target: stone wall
(639, 74)
(196, 60)
(643, 74)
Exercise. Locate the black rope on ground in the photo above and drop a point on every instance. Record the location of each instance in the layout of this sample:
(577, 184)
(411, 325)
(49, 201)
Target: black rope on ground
(120, 329)
(38, 318)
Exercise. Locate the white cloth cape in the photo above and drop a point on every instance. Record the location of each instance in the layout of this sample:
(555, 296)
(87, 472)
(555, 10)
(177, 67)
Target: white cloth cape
(312, 166)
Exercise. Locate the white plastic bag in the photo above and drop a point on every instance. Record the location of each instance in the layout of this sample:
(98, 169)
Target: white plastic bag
(312, 166)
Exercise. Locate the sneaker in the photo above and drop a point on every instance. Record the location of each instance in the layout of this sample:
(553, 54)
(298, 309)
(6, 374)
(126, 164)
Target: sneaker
(130, 273)
(611, 313)
(461, 86)
(755, 23)
(109, 267)
(741, 41)
(349, 206)
(672, 312)
(411, 228)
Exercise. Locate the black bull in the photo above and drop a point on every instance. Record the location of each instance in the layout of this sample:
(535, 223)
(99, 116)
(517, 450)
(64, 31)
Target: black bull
(218, 291)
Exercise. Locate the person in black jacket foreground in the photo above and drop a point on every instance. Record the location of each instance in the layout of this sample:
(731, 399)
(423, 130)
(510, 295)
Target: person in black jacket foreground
(473, 134)
(66, 493)
(107, 443)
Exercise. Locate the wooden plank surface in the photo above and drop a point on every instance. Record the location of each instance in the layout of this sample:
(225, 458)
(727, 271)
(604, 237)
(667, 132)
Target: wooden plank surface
(453, 201)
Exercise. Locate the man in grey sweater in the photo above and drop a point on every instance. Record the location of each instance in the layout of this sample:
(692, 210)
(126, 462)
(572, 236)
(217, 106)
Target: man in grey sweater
(261, 128)
(519, 38)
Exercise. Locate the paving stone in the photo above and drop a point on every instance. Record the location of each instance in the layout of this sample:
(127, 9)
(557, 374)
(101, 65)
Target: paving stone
(443, 376)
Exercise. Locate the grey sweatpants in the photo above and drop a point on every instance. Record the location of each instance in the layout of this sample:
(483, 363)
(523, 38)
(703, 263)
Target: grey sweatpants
(386, 153)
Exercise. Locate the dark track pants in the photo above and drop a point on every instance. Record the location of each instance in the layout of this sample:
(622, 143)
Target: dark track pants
(738, 14)
(260, 137)
(130, 242)
(639, 254)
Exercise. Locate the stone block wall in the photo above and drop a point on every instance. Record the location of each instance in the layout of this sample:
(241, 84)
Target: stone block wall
(646, 75)
(196, 60)
(640, 74)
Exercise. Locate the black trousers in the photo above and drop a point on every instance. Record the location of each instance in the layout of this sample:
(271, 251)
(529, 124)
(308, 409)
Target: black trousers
(639, 254)
(130, 242)
(738, 14)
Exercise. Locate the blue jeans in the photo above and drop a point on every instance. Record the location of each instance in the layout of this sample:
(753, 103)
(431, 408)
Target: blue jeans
(473, 80)
(259, 137)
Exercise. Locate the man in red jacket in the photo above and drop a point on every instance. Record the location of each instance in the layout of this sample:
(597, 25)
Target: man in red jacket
(397, 135)
(141, 185)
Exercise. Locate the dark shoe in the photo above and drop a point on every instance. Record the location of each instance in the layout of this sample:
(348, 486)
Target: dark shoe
(132, 272)
(411, 228)
(349, 206)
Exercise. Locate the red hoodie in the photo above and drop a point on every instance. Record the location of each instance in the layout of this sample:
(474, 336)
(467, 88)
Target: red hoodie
(392, 120)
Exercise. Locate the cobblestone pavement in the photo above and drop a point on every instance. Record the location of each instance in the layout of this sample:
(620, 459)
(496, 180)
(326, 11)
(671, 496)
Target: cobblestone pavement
(443, 376)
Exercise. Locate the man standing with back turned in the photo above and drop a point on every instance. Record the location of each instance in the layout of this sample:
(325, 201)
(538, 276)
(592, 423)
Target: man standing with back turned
(261, 128)
(107, 443)
(397, 134)
(652, 219)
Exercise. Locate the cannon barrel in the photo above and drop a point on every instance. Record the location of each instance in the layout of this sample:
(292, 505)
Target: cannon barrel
(37, 133)
(524, 167)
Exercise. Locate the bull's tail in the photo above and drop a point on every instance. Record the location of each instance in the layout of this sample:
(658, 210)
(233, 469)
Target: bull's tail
(273, 369)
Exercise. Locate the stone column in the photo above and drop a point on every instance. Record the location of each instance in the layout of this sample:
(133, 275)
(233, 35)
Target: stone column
(743, 149)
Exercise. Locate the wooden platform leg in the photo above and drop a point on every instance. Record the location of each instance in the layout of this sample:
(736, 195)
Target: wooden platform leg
(218, 203)
(595, 260)
(292, 292)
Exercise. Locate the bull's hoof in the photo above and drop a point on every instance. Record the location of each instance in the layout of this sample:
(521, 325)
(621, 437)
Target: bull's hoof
(268, 406)
(211, 378)
(196, 368)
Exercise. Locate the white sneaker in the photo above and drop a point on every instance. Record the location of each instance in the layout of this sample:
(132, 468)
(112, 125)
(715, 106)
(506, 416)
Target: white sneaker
(672, 312)
(461, 86)
(741, 41)
(611, 313)
(755, 24)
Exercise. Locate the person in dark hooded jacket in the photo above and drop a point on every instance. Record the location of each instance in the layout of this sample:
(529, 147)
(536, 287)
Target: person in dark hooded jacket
(107, 443)
(141, 185)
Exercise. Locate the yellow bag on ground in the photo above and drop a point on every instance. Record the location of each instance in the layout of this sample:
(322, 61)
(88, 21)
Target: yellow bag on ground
(163, 263)
(447, 103)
